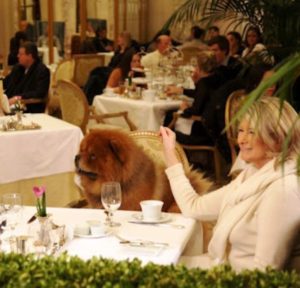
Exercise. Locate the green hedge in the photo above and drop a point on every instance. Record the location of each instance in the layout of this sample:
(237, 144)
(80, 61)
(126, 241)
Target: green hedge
(66, 271)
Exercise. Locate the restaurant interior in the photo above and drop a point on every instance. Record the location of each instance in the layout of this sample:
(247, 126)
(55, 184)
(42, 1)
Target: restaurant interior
(91, 171)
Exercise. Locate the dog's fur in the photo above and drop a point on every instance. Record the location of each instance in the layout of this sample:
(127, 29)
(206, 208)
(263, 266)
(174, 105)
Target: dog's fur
(111, 155)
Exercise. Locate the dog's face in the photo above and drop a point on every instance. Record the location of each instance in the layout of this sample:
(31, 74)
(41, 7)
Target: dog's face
(103, 157)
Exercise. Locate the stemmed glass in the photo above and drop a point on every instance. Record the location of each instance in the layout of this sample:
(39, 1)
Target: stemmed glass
(111, 197)
(12, 204)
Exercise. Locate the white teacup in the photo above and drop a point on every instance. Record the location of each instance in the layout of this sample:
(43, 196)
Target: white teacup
(151, 209)
(97, 230)
(149, 95)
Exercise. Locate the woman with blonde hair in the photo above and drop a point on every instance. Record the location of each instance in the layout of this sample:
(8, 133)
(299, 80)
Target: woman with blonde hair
(257, 214)
(195, 132)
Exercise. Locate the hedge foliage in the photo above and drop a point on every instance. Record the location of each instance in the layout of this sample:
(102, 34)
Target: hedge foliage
(67, 271)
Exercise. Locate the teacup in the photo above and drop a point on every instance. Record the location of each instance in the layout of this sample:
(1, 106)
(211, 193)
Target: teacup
(97, 230)
(151, 209)
(82, 229)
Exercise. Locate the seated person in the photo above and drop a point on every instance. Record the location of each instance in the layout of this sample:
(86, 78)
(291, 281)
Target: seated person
(99, 76)
(153, 59)
(235, 44)
(29, 79)
(255, 50)
(14, 45)
(258, 215)
(229, 66)
(194, 132)
(196, 39)
(124, 70)
(101, 42)
(43, 41)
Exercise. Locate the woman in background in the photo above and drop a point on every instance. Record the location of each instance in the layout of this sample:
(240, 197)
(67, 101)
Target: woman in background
(258, 215)
(124, 69)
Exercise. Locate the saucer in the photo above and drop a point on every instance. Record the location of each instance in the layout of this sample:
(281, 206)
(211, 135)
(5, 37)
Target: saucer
(138, 218)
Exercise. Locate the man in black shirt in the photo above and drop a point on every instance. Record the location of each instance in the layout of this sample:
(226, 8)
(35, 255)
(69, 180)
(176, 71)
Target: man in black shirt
(29, 79)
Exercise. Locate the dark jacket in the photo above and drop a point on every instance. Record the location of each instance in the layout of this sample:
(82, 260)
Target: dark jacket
(33, 84)
(203, 94)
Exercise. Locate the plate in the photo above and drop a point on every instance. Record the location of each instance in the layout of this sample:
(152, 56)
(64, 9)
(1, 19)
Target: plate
(91, 236)
(138, 218)
(139, 80)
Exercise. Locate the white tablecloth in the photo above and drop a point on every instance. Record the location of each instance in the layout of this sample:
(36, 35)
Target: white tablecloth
(35, 153)
(146, 115)
(110, 247)
(107, 57)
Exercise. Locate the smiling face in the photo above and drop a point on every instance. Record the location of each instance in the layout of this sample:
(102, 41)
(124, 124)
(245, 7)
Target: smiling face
(252, 149)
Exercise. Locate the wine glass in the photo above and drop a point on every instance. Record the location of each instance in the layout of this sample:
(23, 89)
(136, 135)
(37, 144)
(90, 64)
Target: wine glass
(12, 204)
(111, 197)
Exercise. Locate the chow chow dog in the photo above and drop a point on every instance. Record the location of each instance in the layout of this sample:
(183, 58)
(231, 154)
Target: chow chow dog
(112, 155)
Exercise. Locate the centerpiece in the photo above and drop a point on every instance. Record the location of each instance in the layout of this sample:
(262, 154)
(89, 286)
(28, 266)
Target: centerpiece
(42, 216)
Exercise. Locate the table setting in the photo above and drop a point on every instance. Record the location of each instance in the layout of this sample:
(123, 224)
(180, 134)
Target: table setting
(109, 232)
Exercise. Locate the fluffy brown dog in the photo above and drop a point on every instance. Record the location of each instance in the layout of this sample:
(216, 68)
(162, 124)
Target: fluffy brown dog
(110, 155)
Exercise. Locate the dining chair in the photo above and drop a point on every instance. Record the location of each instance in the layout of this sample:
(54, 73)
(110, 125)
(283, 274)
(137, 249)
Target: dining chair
(152, 145)
(63, 71)
(201, 148)
(83, 65)
(75, 109)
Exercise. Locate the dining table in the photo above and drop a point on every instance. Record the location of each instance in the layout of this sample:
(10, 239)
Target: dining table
(162, 241)
(145, 114)
(41, 155)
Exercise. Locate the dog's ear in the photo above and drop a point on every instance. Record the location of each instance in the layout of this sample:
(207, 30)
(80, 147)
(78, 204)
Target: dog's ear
(117, 150)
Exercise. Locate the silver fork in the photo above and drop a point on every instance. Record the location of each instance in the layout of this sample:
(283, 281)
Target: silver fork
(141, 243)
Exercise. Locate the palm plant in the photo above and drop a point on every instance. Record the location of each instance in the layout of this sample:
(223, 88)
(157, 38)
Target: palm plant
(278, 19)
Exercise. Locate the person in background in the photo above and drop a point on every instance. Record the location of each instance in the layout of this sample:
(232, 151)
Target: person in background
(43, 41)
(255, 50)
(124, 69)
(29, 79)
(99, 76)
(28, 29)
(257, 213)
(196, 39)
(194, 132)
(14, 45)
(153, 59)
(101, 42)
(229, 67)
(235, 44)
(90, 32)
(212, 32)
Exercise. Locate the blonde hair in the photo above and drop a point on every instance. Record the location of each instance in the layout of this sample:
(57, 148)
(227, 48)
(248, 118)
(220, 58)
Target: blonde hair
(207, 61)
(275, 122)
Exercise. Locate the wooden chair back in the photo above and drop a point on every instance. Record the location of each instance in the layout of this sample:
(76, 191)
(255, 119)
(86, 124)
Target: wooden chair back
(152, 144)
(83, 65)
(73, 103)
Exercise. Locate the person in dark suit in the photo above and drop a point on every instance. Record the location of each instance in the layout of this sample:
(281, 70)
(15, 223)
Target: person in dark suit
(229, 67)
(14, 45)
(29, 79)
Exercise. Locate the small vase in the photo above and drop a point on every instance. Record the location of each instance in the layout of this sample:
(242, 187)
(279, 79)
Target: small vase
(19, 115)
(44, 230)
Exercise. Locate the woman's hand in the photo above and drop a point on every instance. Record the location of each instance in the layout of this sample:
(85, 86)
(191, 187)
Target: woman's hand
(169, 142)
(184, 105)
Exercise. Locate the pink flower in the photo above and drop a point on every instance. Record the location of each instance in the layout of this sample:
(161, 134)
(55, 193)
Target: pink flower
(39, 191)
